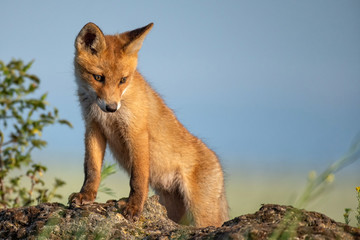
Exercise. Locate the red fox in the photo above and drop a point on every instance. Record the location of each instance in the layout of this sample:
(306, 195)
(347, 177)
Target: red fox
(121, 110)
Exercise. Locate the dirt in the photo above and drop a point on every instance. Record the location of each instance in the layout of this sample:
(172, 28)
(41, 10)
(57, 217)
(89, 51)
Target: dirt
(105, 221)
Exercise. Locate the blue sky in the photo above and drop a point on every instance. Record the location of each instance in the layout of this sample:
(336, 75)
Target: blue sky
(261, 82)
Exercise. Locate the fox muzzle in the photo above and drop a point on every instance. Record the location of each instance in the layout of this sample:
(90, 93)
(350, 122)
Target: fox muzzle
(107, 107)
(112, 107)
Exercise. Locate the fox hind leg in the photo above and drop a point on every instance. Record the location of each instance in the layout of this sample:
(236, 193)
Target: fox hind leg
(205, 200)
(196, 204)
(173, 201)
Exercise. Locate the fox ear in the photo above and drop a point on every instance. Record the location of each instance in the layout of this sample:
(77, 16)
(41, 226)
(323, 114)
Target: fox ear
(90, 39)
(136, 38)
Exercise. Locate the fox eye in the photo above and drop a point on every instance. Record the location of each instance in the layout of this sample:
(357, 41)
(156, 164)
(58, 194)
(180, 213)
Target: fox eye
(123, 80)
(99, 78)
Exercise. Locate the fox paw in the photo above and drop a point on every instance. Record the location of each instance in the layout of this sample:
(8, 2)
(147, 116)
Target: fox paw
(132, 211)
(76, 199)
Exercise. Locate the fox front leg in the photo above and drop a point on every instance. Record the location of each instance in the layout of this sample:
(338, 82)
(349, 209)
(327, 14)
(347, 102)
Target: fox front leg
(139, 180)
(95, 145)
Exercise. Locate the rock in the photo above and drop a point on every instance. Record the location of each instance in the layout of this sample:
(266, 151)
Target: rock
(105, 221)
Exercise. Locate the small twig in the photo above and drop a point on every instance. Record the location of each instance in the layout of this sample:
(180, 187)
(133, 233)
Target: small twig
(2, 186)
(7, 143)
(6, 117)
(30, 192)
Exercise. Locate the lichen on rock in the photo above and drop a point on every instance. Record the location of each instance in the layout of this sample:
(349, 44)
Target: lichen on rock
(105, 221)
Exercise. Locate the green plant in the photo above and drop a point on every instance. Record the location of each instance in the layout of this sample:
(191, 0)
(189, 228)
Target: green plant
(106, 171)
(347, 215)
(315, 187)
(22, 120)
(349, 210)
(358, 207)
(317, 184)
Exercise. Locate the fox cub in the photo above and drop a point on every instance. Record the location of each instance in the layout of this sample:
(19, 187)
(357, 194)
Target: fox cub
(122, 111)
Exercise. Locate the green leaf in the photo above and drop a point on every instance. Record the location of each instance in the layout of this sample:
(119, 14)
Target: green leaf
(43, 97)
(38, 143)
(107, 171)
(34, 78)
(59, 183)
(107, 191)
(27, 66)
(66, 122)
(39, 167)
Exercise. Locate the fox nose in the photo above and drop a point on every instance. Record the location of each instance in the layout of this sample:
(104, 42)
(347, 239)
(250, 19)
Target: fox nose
(112, 107)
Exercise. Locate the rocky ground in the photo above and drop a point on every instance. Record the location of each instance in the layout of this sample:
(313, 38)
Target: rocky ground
(105, 221)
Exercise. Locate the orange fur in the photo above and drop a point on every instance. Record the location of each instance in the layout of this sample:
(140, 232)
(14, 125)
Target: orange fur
(142, 132)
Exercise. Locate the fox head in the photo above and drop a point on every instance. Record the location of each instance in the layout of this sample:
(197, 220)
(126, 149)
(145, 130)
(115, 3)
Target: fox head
(105, 64)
